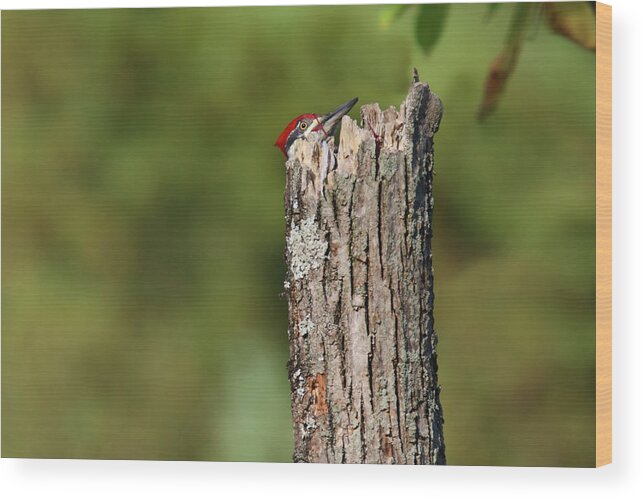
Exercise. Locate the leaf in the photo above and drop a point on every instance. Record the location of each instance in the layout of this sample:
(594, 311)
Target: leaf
(504, 64)
(573, 20)
(492, 8)
(501, 69)
(392, 13)
(429, 24)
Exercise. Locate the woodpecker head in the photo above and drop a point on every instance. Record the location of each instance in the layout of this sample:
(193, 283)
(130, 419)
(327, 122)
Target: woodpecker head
(310, 124)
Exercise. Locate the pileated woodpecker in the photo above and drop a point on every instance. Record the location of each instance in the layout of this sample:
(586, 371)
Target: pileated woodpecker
(309, 125)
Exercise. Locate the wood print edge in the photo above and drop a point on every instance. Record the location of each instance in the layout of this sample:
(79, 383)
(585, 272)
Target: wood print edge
(603, 234)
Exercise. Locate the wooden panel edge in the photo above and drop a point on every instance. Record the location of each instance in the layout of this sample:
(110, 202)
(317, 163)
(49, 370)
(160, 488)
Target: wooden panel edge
(603, 234)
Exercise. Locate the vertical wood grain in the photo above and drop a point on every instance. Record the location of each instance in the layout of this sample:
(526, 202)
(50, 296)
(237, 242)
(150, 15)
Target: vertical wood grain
(363, 362)
(603, 234)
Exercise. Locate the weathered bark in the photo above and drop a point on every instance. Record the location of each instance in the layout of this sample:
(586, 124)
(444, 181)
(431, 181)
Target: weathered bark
(362, 366)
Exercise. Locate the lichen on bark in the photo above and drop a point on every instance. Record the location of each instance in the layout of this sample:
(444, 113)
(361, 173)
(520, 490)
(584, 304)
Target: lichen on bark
(363, 362)
(306, 246)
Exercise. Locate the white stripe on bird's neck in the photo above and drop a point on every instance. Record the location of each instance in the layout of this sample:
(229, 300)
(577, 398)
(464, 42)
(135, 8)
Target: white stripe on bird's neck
(314, 124)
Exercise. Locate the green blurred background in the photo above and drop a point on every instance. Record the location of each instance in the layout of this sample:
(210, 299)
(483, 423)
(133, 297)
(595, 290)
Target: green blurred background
(143, 228)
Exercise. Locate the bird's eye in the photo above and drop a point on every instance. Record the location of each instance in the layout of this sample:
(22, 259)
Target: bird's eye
(303, 125)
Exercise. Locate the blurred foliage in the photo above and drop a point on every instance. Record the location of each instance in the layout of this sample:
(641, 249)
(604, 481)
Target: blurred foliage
(573, 20)
(142, 224)
(430, 24)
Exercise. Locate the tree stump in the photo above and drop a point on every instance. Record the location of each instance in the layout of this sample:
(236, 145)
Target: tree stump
(363, 368)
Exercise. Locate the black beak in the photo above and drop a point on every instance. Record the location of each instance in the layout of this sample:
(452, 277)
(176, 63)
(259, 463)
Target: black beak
(332, 119)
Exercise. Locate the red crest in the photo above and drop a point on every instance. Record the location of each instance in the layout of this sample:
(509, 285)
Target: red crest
(283, 138)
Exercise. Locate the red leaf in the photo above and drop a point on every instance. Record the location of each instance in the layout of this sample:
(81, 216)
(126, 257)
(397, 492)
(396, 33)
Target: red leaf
(501, 69)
